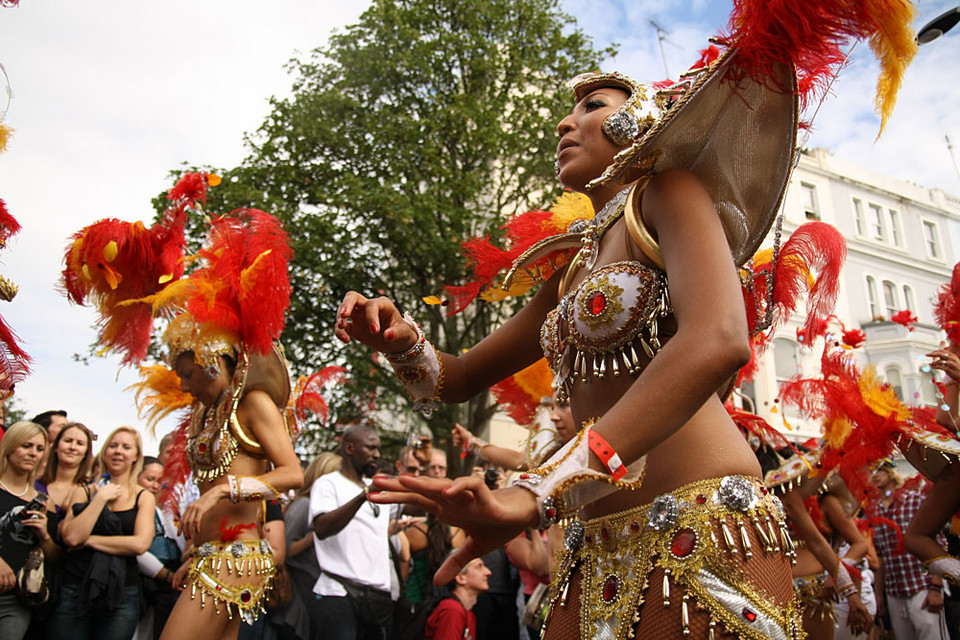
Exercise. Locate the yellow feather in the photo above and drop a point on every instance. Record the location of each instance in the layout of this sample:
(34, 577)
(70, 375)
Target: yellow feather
(5, 134)
(535, 380)
(881, 399)
(894, 45)
(570, 206)
(158, 394)
(248, 277)
(495, 294)
(836, 432)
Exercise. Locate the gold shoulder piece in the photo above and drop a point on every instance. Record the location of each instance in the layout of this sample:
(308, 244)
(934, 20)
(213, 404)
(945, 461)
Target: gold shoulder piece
(247, 442)
(638, 230)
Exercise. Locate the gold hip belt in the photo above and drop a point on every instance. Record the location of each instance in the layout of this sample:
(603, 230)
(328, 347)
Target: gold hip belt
(236, 574)
(702, 537)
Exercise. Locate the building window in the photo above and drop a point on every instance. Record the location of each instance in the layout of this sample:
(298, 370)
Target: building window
(908, 299)
(895, 380)
(808, 194)
(785, 359)
(890, 298)
(748, 397)
(877, 226)
(858, 216)
(932, 238)
(872, 298)
(895, 227)
(928, 392)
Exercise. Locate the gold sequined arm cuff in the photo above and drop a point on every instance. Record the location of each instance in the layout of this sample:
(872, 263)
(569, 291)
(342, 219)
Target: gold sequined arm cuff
(947, 567)
(251, 489)
(420, 370)
(565, 482)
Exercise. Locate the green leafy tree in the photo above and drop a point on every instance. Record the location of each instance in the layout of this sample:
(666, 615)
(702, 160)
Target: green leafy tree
(426, 123)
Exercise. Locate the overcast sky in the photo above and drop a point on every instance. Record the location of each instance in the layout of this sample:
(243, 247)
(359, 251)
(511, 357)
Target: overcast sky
(110, 96)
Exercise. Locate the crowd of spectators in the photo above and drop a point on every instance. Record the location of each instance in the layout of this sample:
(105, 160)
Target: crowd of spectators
(348, 568)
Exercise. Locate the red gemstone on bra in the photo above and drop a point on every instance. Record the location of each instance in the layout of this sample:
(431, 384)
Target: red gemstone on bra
(683, 543)
(202, 448)
(588, 539)
(701, 499)
(604, 534)
(751, 616)
(635, 527)
(245, 596)
(597, 302)
(611, 587)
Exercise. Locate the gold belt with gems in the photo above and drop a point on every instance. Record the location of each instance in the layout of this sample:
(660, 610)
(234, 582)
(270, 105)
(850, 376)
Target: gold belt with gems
(678, 531)
(810, 592)
(248, 578)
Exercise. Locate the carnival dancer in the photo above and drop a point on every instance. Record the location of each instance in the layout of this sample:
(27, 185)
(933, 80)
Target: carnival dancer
(863, 421)
(672, 532)
(936, 453)
(224, 367)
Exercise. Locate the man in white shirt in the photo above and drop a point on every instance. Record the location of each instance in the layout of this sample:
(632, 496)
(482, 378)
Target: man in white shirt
(351, 543)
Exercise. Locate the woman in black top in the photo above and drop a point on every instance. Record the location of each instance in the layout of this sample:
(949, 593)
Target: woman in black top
(100, 593)
(24, 521)
(69, 465)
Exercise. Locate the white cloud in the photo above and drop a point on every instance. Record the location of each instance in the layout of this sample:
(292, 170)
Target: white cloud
(107, 99)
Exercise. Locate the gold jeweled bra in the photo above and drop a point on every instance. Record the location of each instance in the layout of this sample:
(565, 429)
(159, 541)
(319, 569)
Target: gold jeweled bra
(211, 445)
(604, 317)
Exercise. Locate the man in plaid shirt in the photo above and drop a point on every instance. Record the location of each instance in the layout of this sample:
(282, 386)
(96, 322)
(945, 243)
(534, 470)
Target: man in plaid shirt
(913, 601)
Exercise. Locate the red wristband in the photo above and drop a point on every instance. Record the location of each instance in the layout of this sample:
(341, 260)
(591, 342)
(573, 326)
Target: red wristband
(607, 455)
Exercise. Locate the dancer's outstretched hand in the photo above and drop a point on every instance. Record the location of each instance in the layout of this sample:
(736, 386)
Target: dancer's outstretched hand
(490, 518)
(376, 322)
(947, 361)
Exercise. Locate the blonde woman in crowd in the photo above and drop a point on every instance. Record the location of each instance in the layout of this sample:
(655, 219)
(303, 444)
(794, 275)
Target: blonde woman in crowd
(100, 595)
(26, 520)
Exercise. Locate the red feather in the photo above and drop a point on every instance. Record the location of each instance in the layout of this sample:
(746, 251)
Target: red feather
(516, 402)
(946, 309)
(113, 264)
(906, 318)
(246, 256)
(229, 534)
(176, 472)
(755, 425)
(8, 224)
(873, 414)
(880, 521)
(809, 261)
(853, 338)
(309, 395)
(486, 260)
(14, 361)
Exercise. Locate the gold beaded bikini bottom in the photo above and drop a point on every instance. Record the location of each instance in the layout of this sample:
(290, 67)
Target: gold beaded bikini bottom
(687, 560)
(236, 575)
(813, 598)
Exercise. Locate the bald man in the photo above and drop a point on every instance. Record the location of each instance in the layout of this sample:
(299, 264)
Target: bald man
(351, 543)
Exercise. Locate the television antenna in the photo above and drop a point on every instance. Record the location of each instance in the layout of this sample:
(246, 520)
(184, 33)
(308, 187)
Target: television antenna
(661, 37)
